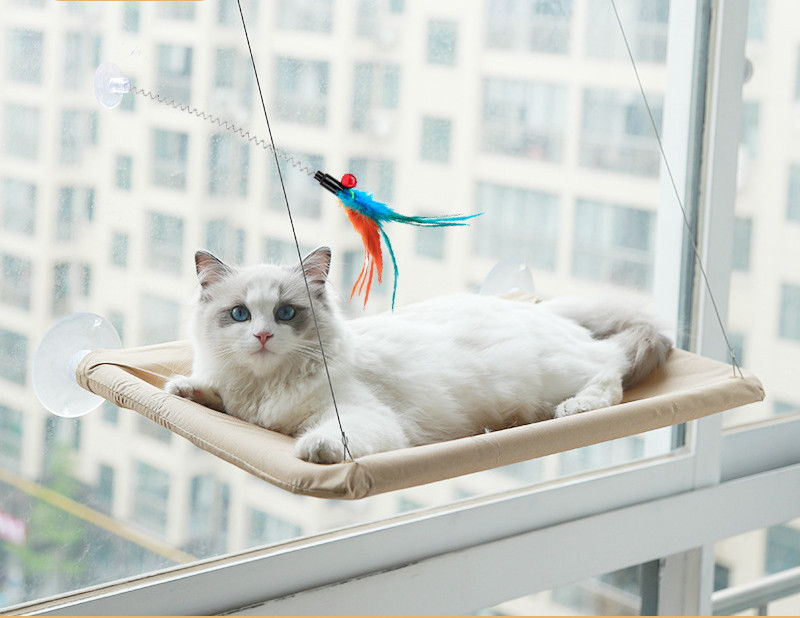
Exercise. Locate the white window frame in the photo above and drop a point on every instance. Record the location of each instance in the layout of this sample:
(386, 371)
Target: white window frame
(474, 554)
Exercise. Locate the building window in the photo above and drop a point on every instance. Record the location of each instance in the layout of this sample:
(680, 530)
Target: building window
(153, 430)
(119, 249)
(165, 246)
(616, 133)
(24, 49)
(124, 172)
(85, 271)
(19, 206)
(523, 119)
(265, 529)
(301, 91)
(15, 285)
(277, 251)
(175, 71)
(117, 319)
(783, 549)
(62, 288)
(110, 412)
(209, 505)
(742, 231)
(13, 356)
(11, 424)
(104, 490)
(176, 10)
(442, 42)
(228, 12)
(229, 163)
(378, 174)
(645, 22)
(304, 190)
(379, 20)
(151, 497)
(737, 341)
(75, 205)
(225, 68)
(225, 241)
(21, 131)
(529, 25)
(436, 139)
(160, 320)
(170, 158)
(430, 242)
(756, 19)
(376, 97)
(130, 16)
(613, 244)
(82, 56)
(78, 130)
(793, 197)
(789, 325)
(307, 15)
(750, 121)
(517, 224)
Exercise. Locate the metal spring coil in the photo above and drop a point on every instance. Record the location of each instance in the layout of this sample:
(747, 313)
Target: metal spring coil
(227, 125)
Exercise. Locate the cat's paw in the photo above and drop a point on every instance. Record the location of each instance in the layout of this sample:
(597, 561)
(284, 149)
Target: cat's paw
(319, 447)
(575, 405)
(199, 393)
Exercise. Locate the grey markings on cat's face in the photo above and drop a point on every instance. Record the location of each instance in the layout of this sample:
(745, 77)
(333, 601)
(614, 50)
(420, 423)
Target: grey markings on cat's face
(262, 290)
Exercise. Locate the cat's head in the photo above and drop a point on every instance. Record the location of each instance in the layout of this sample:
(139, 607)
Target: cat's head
(259, 318)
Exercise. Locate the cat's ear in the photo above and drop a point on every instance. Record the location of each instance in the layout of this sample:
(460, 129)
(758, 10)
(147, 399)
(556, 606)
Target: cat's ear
(317, 264)
(210, 269)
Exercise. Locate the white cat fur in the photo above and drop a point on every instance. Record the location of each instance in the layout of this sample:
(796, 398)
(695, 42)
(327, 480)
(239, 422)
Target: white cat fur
(440, 369)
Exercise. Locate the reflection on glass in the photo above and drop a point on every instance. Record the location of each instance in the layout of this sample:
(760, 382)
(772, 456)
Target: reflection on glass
(434, 110)
(764, 313)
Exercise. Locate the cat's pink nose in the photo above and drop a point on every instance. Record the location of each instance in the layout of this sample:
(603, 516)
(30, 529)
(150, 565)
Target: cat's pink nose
(263, 336)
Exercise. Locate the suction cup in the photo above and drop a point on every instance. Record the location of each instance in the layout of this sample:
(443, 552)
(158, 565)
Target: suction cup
(110, 84)
(60, 352)
(508, 276)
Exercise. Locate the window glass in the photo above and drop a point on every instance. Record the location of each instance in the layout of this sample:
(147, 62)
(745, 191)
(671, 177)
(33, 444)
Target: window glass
(764, 305)
(529, 25)
(754, 555)
(24, 55)
(306, 15)
(442, 42)
(436, 109)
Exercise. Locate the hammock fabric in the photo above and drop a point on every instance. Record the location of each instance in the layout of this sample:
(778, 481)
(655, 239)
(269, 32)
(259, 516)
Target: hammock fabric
(687, 387)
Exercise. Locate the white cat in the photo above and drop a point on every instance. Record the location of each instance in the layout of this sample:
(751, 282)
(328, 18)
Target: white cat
(440, 369)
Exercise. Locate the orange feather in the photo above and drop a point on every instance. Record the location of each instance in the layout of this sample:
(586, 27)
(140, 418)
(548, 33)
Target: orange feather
(373, 259)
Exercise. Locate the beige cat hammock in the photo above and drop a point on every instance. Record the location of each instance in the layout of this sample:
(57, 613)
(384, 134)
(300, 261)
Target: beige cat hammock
(687, 387)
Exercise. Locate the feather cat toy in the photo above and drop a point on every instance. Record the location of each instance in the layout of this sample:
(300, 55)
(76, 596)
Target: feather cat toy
(367, 216)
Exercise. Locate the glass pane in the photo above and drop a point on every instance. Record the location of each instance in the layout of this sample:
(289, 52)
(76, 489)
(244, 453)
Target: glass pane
(610, 594)
(764, 310)
(749, 557)
(101, 210)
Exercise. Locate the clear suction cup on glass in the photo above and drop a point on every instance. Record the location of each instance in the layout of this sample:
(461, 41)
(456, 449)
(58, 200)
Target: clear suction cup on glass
(60, 352)
(110, 85)
(508, 276)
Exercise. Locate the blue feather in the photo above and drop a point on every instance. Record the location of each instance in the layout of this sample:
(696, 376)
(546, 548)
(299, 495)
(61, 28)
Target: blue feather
(363, 203)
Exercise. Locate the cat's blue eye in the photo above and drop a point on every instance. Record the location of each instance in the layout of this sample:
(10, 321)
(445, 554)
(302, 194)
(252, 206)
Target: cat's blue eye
(240, 313)
(285, 313)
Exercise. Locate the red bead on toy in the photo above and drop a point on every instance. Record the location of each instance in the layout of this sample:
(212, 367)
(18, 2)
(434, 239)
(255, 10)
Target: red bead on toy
(349, 181)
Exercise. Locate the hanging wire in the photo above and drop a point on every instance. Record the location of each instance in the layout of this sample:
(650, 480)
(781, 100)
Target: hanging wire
(686, 223)
(347, 453)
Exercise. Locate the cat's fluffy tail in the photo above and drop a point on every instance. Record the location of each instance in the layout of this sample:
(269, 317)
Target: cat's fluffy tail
(633, 329)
